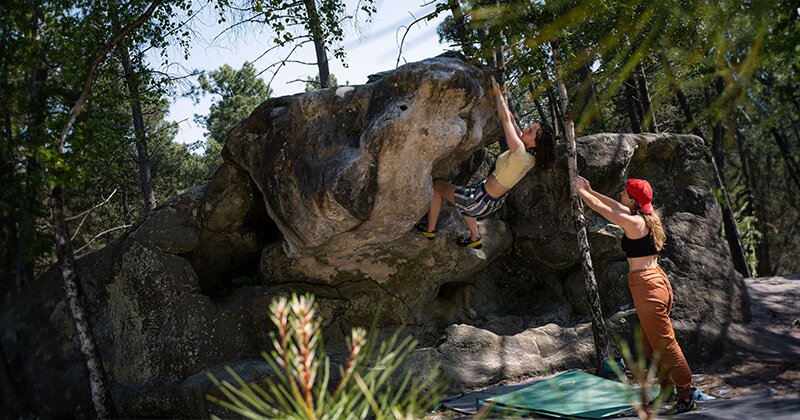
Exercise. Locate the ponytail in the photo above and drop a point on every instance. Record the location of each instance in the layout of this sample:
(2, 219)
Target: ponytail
(653, 222)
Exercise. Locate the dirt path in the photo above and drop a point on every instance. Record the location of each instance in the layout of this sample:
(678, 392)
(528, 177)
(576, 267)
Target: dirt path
(762, 358)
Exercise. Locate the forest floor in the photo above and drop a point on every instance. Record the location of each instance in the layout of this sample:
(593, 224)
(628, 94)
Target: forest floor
(758, 376)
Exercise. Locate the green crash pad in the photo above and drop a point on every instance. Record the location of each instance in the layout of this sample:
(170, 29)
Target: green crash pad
(572, 394)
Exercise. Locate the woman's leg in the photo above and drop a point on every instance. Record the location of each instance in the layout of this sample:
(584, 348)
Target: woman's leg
(652, 296)
(440, 189)
(665, 382)
(472, 224)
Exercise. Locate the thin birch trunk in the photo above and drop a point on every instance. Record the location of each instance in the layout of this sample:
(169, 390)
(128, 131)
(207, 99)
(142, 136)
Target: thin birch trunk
(598, 324)
(101, 397)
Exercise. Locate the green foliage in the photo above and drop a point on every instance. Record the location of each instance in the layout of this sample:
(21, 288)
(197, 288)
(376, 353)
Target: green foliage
(370, 385)
(236, 94)
(313, 83)
(283, 16)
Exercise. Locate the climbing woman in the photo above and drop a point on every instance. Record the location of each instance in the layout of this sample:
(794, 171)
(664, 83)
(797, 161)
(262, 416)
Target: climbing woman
(650, 288)
(533, 147)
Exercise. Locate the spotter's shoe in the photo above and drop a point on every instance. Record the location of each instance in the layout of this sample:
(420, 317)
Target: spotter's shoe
(683, 406)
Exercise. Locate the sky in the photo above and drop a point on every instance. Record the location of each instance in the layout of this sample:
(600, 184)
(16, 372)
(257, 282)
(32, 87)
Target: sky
(372, 49)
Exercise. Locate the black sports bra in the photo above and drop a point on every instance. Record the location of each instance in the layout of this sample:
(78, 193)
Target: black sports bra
(642, 247)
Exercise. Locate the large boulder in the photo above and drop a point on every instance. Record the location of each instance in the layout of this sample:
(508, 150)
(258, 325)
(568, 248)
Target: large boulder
(344, 168)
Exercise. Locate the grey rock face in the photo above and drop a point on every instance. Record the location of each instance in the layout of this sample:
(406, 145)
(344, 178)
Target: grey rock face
(696, 257)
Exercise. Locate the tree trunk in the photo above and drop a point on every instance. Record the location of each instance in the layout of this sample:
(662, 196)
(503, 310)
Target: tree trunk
(8, 174)
(8, 195)
(126, 212)
(8, 234)
(747, 173)
(461, 27)
(687, 112)
(143, 159)
(500, 65)
(649, 120)
(35, 136)
(747, 163)
(634, 114)
(586, 101)
(319, 43)
(101, 397)
(732, 235)
(9, 399)
(598, 324)
(555, 115)
(731, 229)
(764, 265)
(541, 112)
(792, 168)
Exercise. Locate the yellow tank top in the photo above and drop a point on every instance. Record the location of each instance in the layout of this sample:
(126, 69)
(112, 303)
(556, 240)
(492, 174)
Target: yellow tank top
(511, 167)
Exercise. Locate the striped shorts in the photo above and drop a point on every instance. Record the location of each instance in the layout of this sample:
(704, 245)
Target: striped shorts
(475, 202)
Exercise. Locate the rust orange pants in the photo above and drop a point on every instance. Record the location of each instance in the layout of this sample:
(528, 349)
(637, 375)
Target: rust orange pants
(652, 297)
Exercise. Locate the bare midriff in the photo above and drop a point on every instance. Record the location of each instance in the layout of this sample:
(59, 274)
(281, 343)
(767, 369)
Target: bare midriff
(494, 187)
(641, 263)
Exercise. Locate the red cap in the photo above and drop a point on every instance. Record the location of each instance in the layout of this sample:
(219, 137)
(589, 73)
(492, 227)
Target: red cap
(640, 191)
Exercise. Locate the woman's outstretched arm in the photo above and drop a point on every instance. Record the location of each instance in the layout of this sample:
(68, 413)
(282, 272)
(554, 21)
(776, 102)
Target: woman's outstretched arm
(506, 119)
(608, 201)
(615, 213)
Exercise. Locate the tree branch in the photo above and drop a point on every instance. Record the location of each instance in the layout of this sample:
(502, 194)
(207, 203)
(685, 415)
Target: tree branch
(85, 214)
(408, 28)
(78, 107)
(99, 235)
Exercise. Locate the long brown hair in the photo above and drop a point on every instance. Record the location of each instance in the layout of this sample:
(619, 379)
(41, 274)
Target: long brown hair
(545, 150)
(653, 222)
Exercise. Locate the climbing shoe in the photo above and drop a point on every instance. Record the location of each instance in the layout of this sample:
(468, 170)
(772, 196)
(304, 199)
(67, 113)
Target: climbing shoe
(423, 230)
(665, 395)
(467, 242)
(683, 406)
